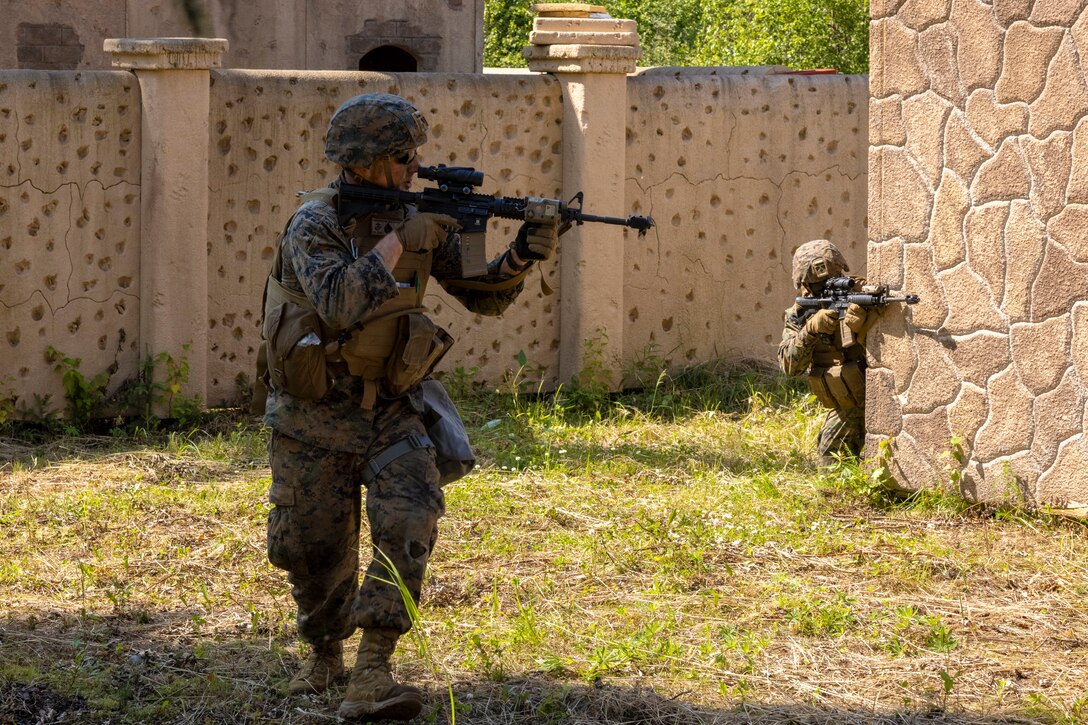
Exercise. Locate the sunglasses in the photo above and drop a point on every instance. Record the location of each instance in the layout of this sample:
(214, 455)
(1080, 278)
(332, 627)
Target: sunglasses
(405, 157)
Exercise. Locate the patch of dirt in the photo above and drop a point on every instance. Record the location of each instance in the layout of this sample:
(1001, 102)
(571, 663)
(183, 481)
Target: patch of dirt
(38, 704)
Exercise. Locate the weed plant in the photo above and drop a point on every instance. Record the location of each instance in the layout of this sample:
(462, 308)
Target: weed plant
(668, 554)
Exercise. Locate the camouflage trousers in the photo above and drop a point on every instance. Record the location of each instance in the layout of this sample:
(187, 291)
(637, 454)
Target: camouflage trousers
(843, 432)
(315, 522)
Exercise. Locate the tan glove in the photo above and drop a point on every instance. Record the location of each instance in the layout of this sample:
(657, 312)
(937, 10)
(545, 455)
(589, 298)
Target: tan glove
(424, 231)
(824, 322)
(535, 241)
(855, 317)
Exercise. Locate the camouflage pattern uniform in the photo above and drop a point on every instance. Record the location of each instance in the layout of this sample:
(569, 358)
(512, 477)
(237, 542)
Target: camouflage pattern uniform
(803, 353)
(319, 448)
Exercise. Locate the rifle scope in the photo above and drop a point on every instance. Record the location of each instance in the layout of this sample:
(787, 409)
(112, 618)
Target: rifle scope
(840, 283)
(446, 176)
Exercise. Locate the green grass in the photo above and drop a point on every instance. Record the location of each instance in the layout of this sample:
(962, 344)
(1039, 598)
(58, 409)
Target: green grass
(667, 555)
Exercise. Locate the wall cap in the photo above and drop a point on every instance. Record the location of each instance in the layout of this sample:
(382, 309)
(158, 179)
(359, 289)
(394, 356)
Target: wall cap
(166, 53)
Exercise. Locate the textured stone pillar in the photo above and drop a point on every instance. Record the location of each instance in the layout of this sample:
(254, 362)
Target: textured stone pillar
(591, 57)
(979, 203)
(174, 105)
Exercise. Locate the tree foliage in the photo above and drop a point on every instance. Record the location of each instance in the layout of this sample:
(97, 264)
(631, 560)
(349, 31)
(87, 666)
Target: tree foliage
(800, 34)
(506, 31)
(796, 33)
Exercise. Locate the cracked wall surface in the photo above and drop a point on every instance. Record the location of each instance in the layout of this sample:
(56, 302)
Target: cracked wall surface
(978, 203)
(69, 226)
(738, 171)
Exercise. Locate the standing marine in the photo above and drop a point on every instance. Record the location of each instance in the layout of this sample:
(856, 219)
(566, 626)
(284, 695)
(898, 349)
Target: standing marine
(349, 350)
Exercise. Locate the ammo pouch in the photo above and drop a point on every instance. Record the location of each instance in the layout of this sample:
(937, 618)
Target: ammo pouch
(840, 387)
(294, 352)
(419, 346)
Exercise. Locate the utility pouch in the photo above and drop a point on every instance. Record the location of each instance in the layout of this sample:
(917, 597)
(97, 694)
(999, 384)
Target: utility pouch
(852, 375)
(419, 346)
(453, 452)
(840, 386)
(295, 352)
(819, 388)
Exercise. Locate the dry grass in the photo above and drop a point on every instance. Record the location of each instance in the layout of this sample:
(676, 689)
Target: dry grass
(676, 562)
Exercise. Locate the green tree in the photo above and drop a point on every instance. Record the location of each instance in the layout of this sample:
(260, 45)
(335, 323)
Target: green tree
(800, 34)
(506, 31)
(796, 33)
(668, 30)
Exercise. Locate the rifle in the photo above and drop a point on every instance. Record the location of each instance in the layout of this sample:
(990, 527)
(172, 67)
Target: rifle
(838, 295)
(455, 195)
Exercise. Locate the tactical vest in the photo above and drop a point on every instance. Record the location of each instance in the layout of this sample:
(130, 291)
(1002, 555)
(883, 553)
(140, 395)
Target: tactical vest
(837, 375)
(394, 347)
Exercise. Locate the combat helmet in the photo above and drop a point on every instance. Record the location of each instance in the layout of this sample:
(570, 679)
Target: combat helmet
(816, 261)
(373, 125)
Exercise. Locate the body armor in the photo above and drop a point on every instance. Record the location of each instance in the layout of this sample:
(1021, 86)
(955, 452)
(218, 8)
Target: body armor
(396, 345)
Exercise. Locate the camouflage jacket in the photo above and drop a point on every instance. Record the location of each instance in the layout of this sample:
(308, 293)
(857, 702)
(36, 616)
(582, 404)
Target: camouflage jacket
(318, 261)
(796, 350)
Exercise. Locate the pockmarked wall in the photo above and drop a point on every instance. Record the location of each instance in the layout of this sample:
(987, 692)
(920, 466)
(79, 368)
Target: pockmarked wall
(736, 171)
(979, 203)
(69, 229)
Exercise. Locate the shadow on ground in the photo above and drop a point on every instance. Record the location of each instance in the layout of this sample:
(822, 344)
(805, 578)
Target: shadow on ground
(64, 668)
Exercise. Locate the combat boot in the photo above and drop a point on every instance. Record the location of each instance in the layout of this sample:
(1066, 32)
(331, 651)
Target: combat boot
(325, 664)
(372, 692)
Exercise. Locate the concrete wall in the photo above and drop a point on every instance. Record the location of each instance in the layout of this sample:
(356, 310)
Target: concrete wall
(978, 203)
(307, 34)
(69, 226)
(737, 171)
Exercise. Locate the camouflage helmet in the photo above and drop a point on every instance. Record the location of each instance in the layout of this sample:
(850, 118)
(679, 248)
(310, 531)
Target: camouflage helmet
(373, 125)
(816, 261)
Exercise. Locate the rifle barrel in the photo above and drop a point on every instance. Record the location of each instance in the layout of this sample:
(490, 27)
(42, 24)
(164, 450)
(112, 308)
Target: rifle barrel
(641, 223)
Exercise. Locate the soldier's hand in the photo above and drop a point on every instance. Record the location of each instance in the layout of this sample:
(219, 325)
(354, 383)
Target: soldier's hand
(855, 317)
(824, 322)
(424, 231)
(535, 241)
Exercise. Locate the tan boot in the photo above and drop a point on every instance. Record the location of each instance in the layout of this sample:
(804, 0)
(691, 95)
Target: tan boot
(325, 664)
(372, 693)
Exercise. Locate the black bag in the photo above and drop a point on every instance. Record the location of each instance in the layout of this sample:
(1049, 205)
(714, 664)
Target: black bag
(453, 452)
(445, 434)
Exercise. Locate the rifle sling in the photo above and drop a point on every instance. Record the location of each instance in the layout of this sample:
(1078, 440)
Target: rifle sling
(489, 286)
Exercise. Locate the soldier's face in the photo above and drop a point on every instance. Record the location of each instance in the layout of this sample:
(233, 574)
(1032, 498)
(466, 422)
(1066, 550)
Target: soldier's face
(392, 172)
(404, 168)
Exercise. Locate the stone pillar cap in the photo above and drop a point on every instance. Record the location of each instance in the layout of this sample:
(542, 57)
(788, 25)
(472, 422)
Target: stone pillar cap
(568, 10)
(166, 53)
(593, 25)
(582, 58)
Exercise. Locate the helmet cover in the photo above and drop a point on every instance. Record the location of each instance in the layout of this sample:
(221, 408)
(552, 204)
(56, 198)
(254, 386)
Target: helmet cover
(816, 261)
(373, 125)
